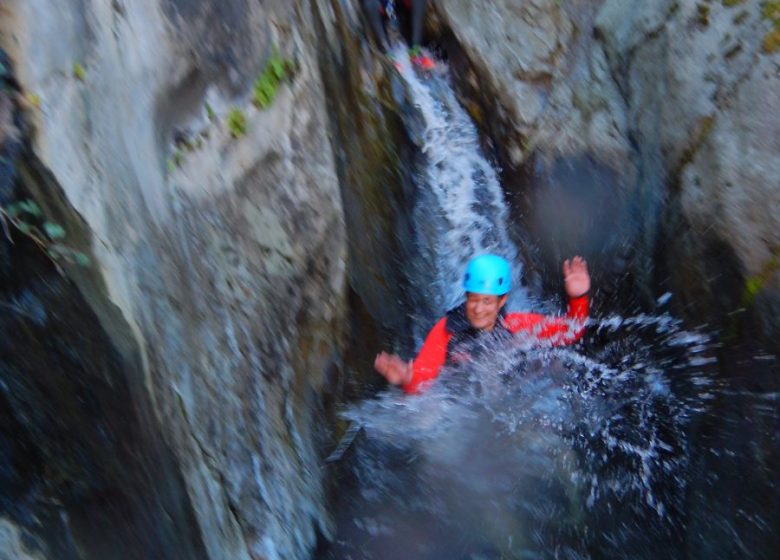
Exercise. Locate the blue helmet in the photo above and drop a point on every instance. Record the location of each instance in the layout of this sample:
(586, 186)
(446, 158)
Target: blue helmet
(488, 274)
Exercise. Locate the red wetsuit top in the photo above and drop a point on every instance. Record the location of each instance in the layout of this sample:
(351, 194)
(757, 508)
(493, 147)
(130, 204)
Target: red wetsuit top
(557, 331)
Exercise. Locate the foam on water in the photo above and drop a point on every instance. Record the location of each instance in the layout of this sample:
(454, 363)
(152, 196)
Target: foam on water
(542, 438)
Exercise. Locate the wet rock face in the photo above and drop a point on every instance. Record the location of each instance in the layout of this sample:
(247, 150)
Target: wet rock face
(375, 162)
(84, 469)
(672, 98)
(699, 88)
(221, 246)
(541, 87)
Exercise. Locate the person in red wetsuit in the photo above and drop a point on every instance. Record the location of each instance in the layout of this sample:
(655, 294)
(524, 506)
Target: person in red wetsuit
(378, 12)
(487, 282)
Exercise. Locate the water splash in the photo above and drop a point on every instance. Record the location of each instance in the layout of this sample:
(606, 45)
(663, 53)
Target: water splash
(546, 441)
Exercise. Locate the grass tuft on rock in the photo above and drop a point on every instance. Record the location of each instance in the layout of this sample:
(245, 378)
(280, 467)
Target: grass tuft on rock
(771, 43)
(79, 72)
(237, 122)
(276, 70)
(703, 14)
(757, 282)
(33, 100)
(770, 11)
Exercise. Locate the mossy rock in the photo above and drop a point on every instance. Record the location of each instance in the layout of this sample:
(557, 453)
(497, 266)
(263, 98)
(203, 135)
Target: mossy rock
(79, 72)
(237, 122)
(758, 282)
(267, 84)
(770, 11)
(703, 14)
(771, 43)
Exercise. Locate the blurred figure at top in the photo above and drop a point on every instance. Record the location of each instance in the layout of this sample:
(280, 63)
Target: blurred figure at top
(380, 13)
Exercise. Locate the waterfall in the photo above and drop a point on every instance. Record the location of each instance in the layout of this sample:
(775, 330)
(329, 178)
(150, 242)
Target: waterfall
(461, 210)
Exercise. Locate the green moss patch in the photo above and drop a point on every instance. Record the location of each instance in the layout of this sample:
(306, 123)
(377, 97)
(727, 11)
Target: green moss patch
(703, 14)
(754, 284)
(237, 122)
(770, 11)
(79, 72)
(276, 70)
(771, 43)
(33, 100)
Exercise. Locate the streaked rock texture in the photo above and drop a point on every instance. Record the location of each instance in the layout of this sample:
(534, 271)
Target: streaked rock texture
(224, 257)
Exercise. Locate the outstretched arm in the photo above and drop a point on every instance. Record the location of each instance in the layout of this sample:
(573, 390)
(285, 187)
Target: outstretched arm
(560, 330)
(393, 368)
(416, 375)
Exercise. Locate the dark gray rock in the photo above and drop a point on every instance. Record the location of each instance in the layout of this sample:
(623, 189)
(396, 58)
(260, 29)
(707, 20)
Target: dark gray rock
(224, 257)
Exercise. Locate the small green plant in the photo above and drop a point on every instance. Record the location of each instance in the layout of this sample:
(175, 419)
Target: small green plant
(33, 100)
(79, 72)
(210, 114)
(24, 216)
(770, 11)
(276, 70)
(757, 282)
(703, 14)
(175, 160)
(771, 43)
(732, 3)
(236, 122)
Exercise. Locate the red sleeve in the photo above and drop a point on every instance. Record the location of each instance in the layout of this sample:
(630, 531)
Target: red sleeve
(430, 359)
(557, 330)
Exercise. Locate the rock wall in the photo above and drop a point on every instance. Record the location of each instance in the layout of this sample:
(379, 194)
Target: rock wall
(630, 131)
(221, 248)
(375, 161)
(84, 470)
(716, 147)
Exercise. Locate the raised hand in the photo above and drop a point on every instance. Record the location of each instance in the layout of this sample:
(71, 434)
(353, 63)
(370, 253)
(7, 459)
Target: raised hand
(393, 368)
(576, 277)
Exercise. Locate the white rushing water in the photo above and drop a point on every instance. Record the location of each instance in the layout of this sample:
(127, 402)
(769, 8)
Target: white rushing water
(527, 452)
(463, 206)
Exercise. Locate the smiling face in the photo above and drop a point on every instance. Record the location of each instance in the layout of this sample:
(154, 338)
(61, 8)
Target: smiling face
(482, 310)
